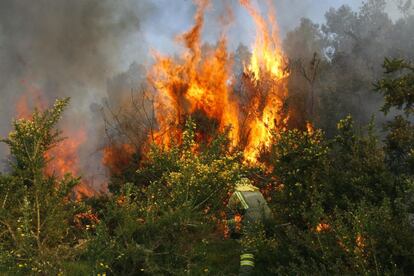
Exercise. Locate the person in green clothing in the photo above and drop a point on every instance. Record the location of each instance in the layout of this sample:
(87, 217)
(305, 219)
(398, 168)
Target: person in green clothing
(246, 210)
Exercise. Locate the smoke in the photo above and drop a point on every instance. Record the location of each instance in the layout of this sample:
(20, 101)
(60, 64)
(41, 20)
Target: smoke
(66, 49)
(80, 48)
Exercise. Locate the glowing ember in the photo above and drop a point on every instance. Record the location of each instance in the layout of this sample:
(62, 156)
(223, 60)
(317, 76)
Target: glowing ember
(322, 227)
(309, 127)
(360, 241)
(117, 157)
(199, 82)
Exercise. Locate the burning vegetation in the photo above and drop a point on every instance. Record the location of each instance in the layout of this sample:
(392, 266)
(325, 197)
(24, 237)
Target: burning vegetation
(202, 122)
(202, 81)
(63, 158)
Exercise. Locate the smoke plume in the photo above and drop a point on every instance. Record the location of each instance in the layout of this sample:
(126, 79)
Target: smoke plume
(60, 48)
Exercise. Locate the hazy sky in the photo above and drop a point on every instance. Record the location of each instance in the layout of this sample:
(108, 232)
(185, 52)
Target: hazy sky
(170, 18)
(173, 17)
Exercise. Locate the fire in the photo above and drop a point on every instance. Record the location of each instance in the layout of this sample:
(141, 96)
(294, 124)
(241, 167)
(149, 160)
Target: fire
(309, 128)
(31, 98)
(117, 157)
(360, 241)
(200, 81)
(322, 227)
(64, 158)
(267, 76)
(267, 55)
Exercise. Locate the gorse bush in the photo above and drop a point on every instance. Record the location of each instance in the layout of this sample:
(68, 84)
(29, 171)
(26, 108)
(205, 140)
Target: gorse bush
(168, 221)
(35, 214)
(342, 209)
(300, 163)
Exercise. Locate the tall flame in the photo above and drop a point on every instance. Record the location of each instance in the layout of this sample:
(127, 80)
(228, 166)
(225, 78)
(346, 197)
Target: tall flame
(196, 82)
(200, 81)
(267, 55)
(268, 75)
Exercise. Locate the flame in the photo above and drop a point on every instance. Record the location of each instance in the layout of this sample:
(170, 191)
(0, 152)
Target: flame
(196, 82)
(267, 76)
(117, 157)
(31, 98)
(309, 128)
(360, 241)
(64, 158)
(322, 227)
(200, 81)
(267, 55)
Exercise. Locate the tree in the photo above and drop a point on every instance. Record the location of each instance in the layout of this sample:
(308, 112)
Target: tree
(305, 49)
(397, 87)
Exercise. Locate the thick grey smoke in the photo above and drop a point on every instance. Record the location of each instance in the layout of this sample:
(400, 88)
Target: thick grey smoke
(65, 49)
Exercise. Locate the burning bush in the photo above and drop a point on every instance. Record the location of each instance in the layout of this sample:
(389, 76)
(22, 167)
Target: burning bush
(36, 209)
(171, 213)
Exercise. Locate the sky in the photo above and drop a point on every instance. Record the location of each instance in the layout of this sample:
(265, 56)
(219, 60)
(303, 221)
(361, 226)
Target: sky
(174, 17)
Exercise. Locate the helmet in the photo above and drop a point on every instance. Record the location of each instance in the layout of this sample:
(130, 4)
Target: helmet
(245, 185)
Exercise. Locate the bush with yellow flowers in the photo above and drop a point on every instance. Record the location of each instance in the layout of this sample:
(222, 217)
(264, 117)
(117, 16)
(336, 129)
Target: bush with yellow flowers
(35, 214)
(170, 220)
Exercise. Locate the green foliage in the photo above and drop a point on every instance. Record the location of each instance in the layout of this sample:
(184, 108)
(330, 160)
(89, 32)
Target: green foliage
(173, 224)
(300, 160)
(35, 212)
(341, 205)
(399, 145)
(397, 87)
(339, 209)
(358, 168)
(198, 182)
(32, 138)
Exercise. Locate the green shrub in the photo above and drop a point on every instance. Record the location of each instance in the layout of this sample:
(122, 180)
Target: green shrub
(35, 212)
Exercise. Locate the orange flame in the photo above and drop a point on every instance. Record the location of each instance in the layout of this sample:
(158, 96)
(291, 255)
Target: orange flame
(360, 241)
(309, 128)
(322, 227)
(31, 98)
(200, 81)
(197, 82)
(64, 158)
(268, 77)
(117, 157)
(267, 53)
